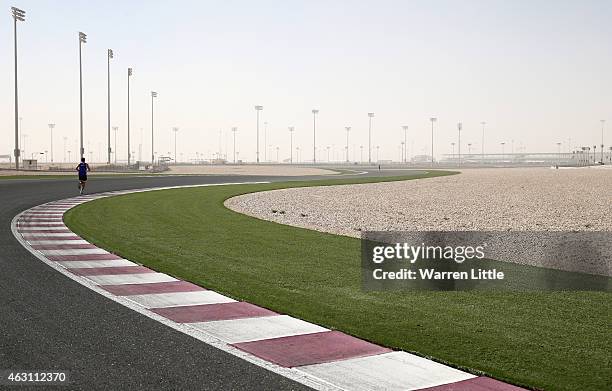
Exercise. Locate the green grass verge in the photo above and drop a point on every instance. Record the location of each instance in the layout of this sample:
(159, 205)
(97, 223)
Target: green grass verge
(553, 341)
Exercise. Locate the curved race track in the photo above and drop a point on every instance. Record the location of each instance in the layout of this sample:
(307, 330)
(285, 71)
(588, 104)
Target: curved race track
(50, 322)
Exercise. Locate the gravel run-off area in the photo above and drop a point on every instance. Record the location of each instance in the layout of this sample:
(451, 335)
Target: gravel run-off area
(495, 199)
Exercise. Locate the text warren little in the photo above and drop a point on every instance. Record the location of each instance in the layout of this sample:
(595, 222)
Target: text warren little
(432, 274)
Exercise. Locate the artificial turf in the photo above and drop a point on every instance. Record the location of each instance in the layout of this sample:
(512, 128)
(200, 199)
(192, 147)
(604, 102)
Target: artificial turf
(543, 340)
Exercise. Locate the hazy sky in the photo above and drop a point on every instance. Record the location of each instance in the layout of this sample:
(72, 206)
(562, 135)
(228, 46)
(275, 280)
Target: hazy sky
(537, 72)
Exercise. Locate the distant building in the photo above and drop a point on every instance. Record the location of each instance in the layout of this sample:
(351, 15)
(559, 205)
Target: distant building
(421, 159)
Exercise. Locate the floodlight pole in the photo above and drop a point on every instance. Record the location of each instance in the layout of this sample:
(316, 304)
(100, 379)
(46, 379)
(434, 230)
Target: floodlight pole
(432, 119)
(175, 130)
(291, 130)
(82, 40)
(314, 135)
(348, 129)
(234, 130)
(17, 15)
(129, 153)
(51, 126)
(153, 96)
(108, 58)
(459, 127)
(482, 146)
(405, 127)
(115, 128)
(370, 116)
(603, 123)
(258, 109)
(265, 141)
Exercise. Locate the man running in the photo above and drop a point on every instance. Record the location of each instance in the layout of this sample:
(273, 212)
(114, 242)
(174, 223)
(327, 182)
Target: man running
(82, 168)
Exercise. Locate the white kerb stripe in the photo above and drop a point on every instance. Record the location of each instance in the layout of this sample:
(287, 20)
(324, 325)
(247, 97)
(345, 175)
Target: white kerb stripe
(252, 329)
(75, 251)
(55, 242)
(41, 235)
(122, 279)
(42, 229)
(393, 371)
(37, 218)
(90, 264)
(161, 300)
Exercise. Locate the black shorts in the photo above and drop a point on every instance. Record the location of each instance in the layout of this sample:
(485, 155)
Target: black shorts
(82, 178)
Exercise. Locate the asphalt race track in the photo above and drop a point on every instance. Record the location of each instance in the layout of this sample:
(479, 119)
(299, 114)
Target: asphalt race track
(50, 322)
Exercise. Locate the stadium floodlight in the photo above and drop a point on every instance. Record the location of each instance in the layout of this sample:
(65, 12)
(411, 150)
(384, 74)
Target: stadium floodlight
(291, 130)
(82, 40)
(314, 135)
(109, 55)
(348, 129)
(432, 119)
(258, 108)
(18, 15)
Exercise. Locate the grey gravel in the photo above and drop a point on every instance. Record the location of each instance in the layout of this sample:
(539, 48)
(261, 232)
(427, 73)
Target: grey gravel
(477, 199)
(504, 199)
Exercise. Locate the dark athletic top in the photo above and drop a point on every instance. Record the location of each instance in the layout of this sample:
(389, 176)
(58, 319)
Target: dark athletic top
(82, 168)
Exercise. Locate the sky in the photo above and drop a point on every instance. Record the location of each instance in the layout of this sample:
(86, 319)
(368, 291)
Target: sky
(537, 71)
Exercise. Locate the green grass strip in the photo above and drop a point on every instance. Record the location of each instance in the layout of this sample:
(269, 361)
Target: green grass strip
(551, 340)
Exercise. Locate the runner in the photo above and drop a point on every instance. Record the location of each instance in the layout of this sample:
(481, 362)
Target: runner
(82, 168)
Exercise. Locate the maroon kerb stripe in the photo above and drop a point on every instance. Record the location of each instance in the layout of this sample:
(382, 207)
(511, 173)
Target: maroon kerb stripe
(152, 287)
(211, 312)
(476, 384)
(107, 271)
(307, 349)
(83, 257)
